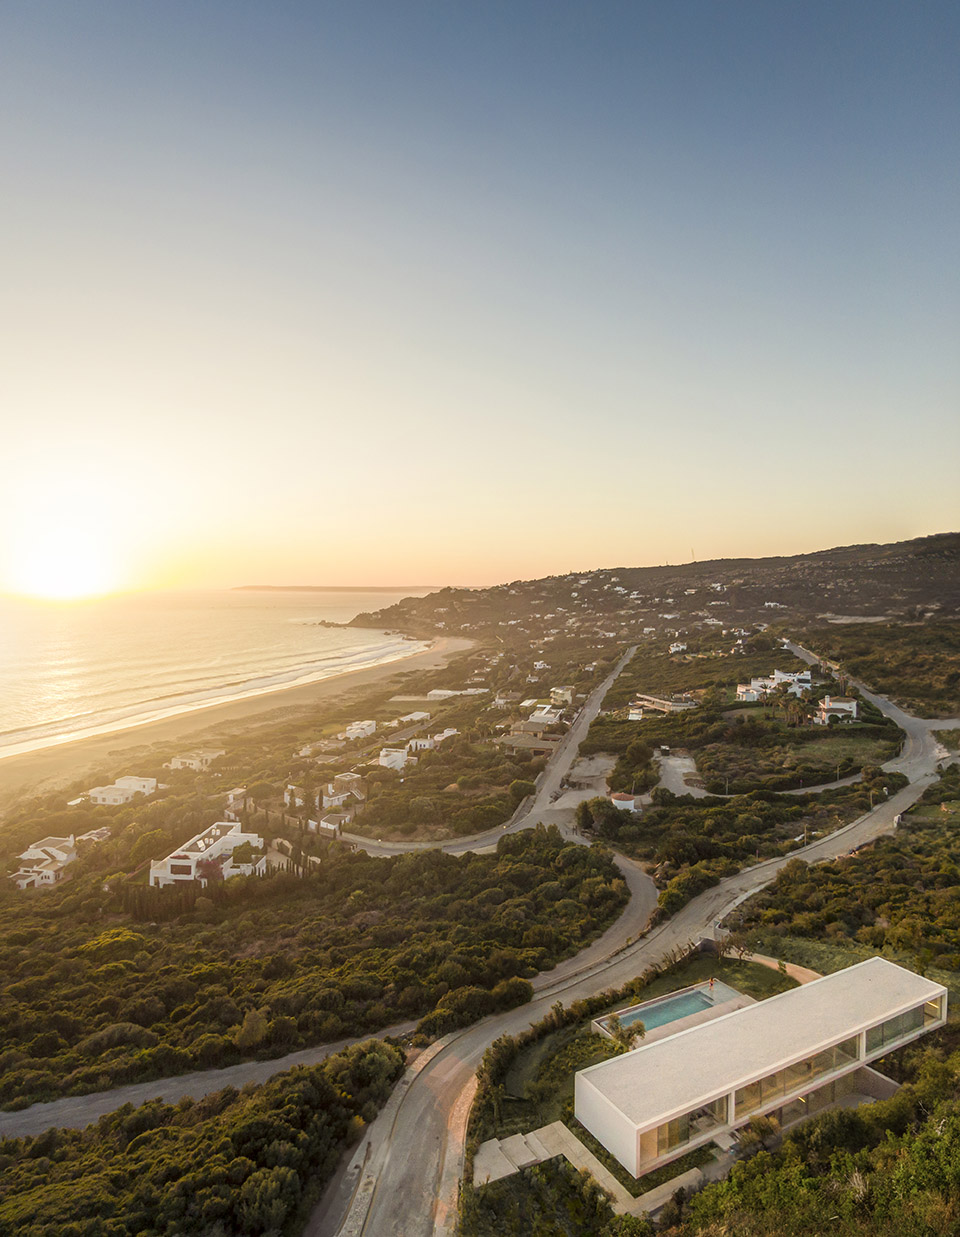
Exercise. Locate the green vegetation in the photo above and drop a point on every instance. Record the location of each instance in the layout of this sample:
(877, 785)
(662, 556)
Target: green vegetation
(900, 895)
(550, 1200)
(737, 750)
(104, 988)
(888, 1169)
(464, 786)
(694, 843)
(248, 1162)
(527, 1081)
(917, 664)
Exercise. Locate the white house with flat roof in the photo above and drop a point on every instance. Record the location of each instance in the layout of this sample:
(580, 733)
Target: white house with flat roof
(122, 790)
(788, 1056)
(395, 758)
(197, 761)
(209, 856)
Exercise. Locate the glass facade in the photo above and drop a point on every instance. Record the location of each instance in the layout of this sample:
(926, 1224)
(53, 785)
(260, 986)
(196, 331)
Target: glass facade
(887, 1033)
(766, 1091)
(762, 1095)
(933, 1011)
(654, 1143)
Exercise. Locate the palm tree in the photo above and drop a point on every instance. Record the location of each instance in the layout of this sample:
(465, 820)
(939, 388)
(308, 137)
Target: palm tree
(622, 1036)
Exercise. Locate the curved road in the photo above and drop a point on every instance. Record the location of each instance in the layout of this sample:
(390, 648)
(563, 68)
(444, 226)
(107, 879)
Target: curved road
(404, 1178)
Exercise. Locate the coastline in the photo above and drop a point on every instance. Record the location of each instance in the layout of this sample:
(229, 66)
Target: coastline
(48, 767)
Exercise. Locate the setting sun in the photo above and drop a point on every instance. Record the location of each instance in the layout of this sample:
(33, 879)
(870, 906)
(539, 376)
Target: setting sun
(63, 564)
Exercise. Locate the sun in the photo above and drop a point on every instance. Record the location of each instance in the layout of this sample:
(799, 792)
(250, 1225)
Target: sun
(62, 563)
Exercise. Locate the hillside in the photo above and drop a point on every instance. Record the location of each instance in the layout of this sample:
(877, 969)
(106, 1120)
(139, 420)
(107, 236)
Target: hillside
(905, 580)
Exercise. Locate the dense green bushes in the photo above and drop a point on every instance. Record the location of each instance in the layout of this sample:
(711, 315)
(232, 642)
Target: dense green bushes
(890, 1169)
(900, 894)
(249, 1162)
(918, 664)
(92, 999)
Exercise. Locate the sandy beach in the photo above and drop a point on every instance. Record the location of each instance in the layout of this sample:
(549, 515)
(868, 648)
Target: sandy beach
(52, 767)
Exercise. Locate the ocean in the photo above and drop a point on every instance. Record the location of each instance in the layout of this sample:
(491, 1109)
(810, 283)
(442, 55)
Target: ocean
(73, 669)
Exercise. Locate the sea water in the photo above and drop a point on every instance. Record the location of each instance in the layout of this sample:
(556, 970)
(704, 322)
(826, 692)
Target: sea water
(70, 669)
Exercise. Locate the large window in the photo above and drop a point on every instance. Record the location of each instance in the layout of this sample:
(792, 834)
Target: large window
(894, 1029)
(767, 1091)
(691, 1125)
(933, 1011)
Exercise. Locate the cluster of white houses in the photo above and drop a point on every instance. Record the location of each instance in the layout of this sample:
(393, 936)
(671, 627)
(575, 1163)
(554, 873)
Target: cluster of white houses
(399, 757)
(795, 683)
(44, 864)
(789, 1056)
(536, 734)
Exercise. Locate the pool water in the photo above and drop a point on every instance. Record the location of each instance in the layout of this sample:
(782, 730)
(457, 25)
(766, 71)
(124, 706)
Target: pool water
(671, 1008)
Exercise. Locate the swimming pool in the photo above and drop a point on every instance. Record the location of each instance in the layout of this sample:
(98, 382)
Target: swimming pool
(666, 1009)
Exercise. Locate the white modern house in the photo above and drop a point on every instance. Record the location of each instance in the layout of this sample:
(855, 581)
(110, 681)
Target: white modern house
(678, 647)
(197, 761)
(361, 730)
(43, 863)
(122, 790)
(209, 856)
(394, 758)
(841, 707)
(662, 704)
(560, 696)
(796, 683)
(787, 1057)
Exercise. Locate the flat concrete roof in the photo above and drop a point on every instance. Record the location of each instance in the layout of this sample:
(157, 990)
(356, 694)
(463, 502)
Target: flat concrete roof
(679, 1073)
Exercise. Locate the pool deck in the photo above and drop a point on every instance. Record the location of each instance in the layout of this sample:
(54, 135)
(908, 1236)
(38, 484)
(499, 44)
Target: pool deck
(738, 1001)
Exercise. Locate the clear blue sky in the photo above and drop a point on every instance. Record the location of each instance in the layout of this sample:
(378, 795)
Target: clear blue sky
(464, 292)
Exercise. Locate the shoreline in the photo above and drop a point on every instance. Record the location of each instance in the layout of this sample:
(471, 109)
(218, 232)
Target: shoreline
(185, 704)
(46, 768)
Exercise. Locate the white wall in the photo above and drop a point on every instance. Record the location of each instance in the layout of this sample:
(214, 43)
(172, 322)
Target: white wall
(605, 1122)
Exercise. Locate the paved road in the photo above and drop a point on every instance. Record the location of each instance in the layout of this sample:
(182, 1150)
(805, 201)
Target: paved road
(406, 1170)
(75, 1112)
(557, 769)
(404, 1176)
(407, 1174)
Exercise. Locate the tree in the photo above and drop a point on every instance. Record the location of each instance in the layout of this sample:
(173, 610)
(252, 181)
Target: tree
(625, 1036)
(152, 845)
(520, 790)
(253, 1031)
(260, 792)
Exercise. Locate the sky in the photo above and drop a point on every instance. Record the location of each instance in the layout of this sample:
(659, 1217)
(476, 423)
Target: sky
(395, 293)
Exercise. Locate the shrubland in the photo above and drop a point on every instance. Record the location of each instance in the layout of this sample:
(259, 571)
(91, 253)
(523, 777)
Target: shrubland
(104, 987)
(234, 1163)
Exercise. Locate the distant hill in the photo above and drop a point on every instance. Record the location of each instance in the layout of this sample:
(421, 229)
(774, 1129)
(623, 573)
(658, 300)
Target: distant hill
(904, 580)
